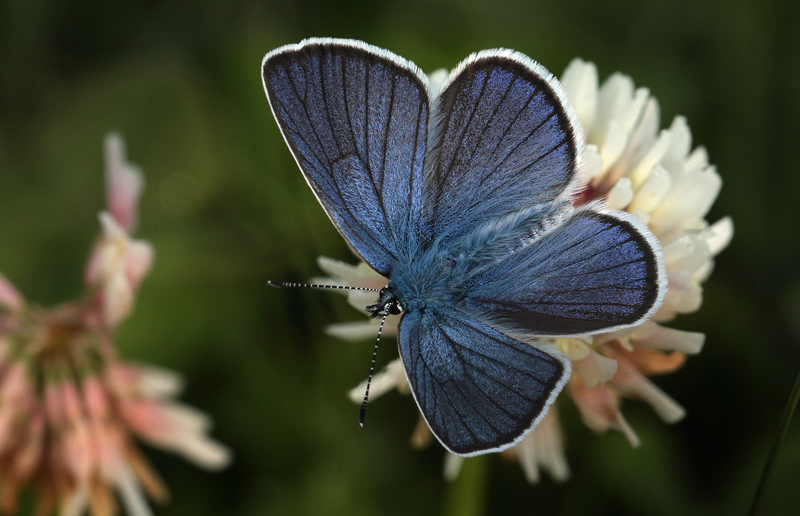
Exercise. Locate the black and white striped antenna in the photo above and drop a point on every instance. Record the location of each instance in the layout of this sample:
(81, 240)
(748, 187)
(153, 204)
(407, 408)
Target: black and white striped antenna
(281, 284)
(363, 412)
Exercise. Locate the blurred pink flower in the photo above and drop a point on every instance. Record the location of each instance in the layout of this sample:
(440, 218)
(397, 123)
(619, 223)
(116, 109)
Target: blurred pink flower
(69, 406)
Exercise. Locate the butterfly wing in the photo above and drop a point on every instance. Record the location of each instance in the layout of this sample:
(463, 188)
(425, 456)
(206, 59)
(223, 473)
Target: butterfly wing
(503, 138)
(505, 148)
(479, 390)
(355, 118)
(595, 270)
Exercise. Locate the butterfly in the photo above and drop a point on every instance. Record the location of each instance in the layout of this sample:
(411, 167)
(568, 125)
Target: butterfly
(462, 195)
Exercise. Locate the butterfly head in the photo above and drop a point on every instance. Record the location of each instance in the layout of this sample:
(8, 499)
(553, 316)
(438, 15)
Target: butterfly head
(388, 304)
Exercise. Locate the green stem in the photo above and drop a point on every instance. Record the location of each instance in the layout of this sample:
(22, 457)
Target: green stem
(467, 494)
(788, 412)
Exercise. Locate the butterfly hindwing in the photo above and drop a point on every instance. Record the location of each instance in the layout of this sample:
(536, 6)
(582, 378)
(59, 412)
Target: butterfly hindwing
(355, 118)
(594, 271)
(479, 390)
(502, 139)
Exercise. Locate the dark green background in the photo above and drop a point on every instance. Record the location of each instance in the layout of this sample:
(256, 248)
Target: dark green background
(227, 209)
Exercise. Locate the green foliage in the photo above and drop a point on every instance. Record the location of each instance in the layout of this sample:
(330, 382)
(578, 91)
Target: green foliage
(227, 210)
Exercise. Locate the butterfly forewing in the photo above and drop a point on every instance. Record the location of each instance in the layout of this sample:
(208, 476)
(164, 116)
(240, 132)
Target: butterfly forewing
(478, 389)
(355, 118)
(502, 139)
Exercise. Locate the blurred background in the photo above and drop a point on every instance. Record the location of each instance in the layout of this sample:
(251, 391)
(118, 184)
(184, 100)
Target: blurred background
(227, 209)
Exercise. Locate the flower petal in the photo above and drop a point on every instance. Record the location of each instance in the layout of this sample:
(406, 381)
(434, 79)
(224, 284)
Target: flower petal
(452, 466)
(10, 298)
(652, 191)
(595, 369)
(124, 184)
(131, 492)
(655, 336)
(631, 382)
(690, 199)
(620, 195)
(139, 261)
(599, 409)
(353, 331)
(361, 275)
(544, 447)
(580, 82)
(720, 235)
(392, 377)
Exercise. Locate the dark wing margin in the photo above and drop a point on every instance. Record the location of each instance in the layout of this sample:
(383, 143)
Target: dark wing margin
(594, 271)
(355, 118)
(503, 138)
(479, 390)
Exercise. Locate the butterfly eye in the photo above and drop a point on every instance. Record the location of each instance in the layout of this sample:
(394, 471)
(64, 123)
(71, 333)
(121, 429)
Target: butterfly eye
(393, 307)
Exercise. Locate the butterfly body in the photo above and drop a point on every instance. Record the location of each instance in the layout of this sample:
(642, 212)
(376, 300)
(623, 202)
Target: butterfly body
(462, 196)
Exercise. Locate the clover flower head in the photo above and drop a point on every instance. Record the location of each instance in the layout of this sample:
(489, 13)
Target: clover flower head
(70, 407)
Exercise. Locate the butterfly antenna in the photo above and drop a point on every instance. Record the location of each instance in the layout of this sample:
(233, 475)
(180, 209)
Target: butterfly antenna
(363, 412)
(281, 284)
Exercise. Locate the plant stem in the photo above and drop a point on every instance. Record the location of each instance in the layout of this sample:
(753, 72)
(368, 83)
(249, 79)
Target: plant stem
(467, 494)
(788, 412)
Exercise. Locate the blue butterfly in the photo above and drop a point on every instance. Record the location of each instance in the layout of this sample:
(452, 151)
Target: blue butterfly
(462, 196)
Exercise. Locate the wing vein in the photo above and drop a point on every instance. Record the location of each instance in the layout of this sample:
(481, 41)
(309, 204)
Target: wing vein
(329, 118)
(347, 108)
(599, 270)
(511, 125)
(383, 160)
(302, 100)
(455, 345)
(504, 184)
(560, 303)
(463, 130)
(488, 122)
(440, 385)
(521, 142)
(498, 361)
(411, 179)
